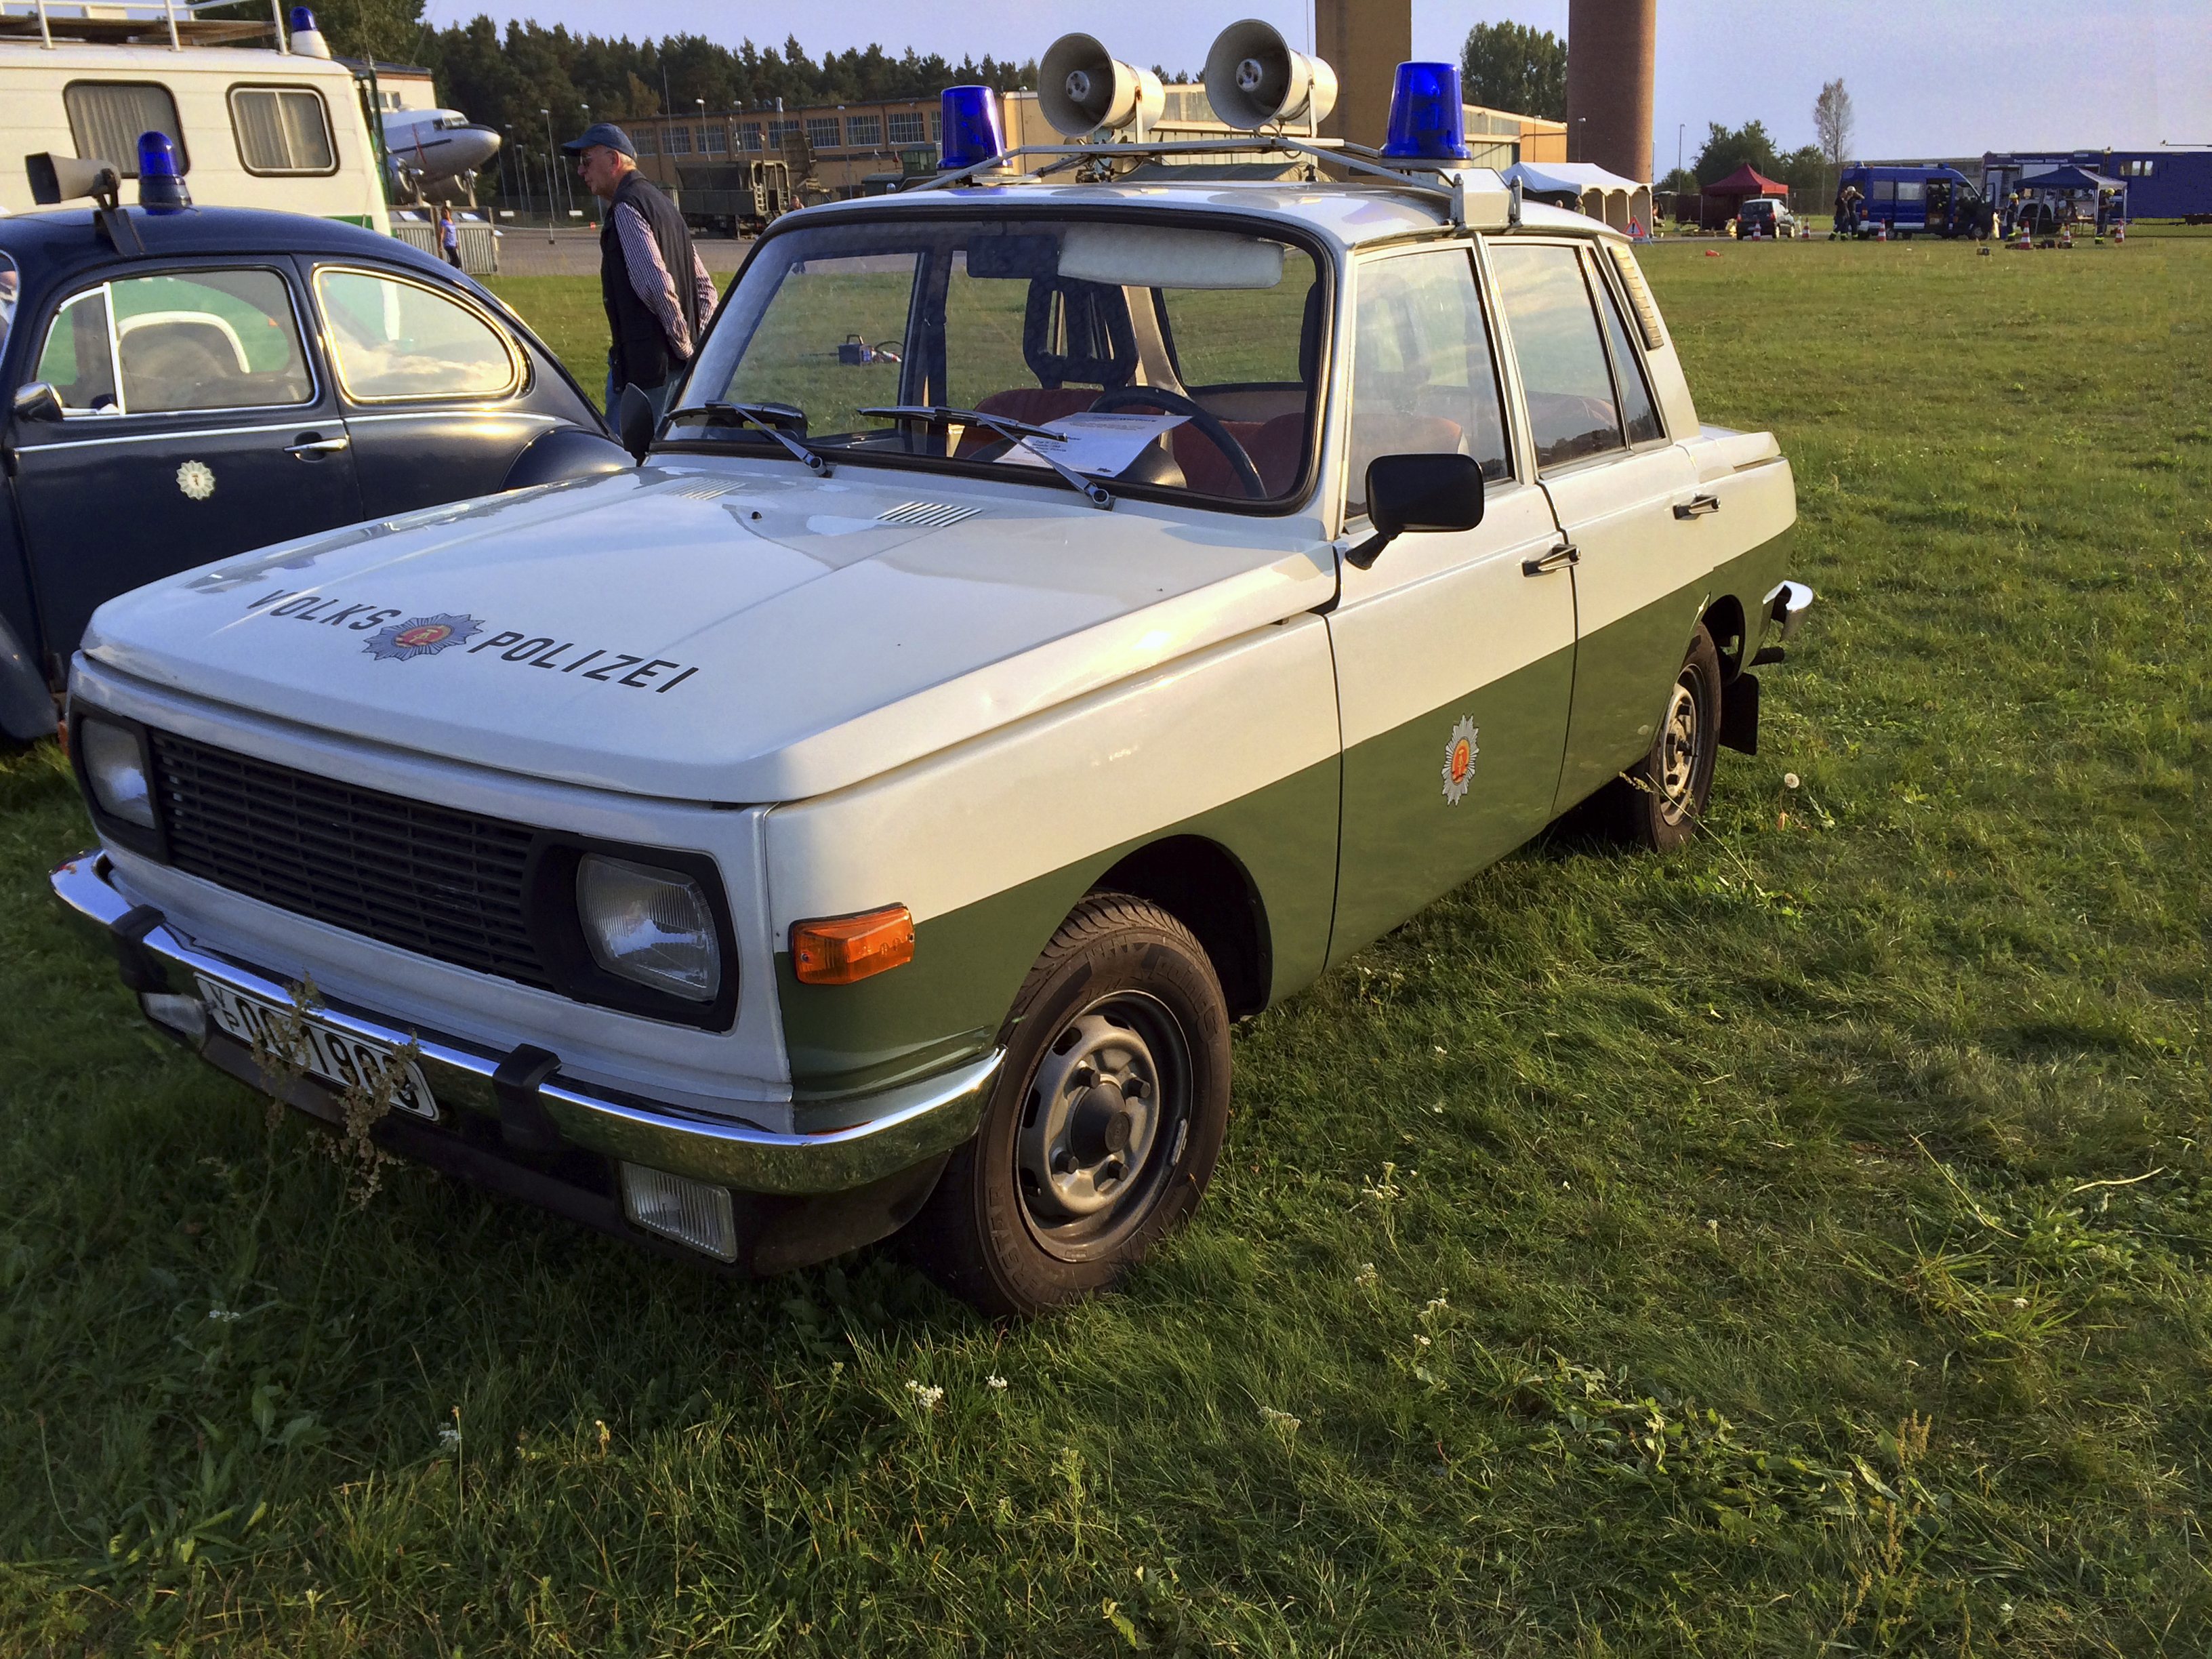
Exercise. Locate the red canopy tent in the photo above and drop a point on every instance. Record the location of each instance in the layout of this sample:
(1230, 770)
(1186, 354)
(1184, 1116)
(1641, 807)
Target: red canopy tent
(1721, 201)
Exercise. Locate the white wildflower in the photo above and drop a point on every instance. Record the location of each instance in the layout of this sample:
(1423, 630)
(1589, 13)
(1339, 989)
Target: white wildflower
(995, 1383)
(930, 1397)
(449, 1437)
(1789, 780)
(1281, 1422)
(1365, 1277)
(2020, 1302)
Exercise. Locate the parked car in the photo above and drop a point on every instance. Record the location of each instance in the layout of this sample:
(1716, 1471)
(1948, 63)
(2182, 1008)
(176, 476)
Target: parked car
(236, 378)
(871, 811)
(1765, 215)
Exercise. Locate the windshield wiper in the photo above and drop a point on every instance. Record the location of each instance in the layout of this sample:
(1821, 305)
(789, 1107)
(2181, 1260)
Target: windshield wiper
(1014, 432)
(767, 417)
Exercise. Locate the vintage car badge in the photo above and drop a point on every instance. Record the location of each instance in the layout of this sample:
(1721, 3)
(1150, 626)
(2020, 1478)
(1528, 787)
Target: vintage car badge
(1459, 760)
(421, 636)
(197, 480)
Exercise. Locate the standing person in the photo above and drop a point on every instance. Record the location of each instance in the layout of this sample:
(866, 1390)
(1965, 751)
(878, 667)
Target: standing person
(449, 237)
(654, 316)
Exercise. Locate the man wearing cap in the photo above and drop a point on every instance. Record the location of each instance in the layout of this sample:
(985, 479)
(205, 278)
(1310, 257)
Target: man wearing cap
(655, 317)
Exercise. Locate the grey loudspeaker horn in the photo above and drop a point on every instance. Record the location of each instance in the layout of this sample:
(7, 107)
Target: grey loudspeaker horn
(1081, 88)
(64, 178)
(1254, 79)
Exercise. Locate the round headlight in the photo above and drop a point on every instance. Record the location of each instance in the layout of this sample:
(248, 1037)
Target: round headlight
(117, 771)
(653, 926)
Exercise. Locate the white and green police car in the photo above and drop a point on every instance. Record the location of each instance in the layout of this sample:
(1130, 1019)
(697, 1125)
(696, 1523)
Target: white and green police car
(1062, 615)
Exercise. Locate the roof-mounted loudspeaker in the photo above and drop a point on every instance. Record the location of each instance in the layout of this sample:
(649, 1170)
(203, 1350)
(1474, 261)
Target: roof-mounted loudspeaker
(63, 179)
(1080, 88)
(1254, 79)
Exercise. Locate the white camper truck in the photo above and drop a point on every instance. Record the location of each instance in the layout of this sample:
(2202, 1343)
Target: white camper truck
(250, 127)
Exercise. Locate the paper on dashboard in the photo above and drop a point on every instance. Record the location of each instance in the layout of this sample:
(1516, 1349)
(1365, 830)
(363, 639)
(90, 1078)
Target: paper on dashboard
(1098, 445)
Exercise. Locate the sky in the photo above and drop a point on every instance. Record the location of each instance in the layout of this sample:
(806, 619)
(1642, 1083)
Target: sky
(1928, 78)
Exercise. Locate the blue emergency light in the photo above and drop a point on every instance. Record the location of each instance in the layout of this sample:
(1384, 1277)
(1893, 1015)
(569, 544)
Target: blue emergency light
(302, 18)
(972, 134)
(1426, 121)
(160, 188)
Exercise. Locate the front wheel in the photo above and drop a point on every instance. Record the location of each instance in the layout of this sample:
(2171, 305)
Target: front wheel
(1104, 1127)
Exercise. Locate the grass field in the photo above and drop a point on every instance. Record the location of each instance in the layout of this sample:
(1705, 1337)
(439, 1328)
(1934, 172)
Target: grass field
(1792, 1247)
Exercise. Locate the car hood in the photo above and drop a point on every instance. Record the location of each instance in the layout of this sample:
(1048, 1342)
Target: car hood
(716, 632)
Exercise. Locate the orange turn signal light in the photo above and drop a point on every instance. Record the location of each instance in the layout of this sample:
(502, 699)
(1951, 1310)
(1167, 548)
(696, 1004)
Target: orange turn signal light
(842, 949)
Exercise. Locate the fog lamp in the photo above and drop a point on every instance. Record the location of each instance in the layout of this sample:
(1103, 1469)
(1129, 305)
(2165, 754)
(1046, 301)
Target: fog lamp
(116, 767)
(689, 1211)
(651, 926)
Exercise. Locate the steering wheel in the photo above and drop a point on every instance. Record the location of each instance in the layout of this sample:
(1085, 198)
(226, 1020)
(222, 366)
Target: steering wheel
(1176, 403)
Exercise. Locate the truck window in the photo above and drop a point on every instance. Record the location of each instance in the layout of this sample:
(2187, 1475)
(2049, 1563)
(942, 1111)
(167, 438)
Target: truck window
(1563, 374)
(1424, 378)
(282, 131)
(107, 117)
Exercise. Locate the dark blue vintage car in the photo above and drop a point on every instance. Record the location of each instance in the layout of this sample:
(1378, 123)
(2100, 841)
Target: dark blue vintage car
(186, 385)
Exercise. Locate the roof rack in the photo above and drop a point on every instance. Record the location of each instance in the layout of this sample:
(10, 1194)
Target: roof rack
(134, 22)
(1449, 185)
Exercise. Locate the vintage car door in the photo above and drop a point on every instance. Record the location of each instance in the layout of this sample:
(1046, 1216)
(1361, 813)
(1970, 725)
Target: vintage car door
(1604, 457)
(1455, 652)
(438, 395)
(195, 426)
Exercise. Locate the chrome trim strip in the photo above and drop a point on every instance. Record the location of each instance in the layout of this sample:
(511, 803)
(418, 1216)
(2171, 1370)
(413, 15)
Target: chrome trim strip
(889, 1132)
(174, 436)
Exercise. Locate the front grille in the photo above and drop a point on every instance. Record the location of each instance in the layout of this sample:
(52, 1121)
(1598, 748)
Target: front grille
(425, 879)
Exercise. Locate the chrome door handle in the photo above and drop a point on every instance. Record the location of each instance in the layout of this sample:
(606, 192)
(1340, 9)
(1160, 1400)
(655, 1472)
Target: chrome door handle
(309, 447)
(1559, 558)
(1696, 506)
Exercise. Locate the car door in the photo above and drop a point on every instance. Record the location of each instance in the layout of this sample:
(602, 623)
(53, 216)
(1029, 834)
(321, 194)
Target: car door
(1614, 480)
(437, 393)
(195, 426)
(1454, 651)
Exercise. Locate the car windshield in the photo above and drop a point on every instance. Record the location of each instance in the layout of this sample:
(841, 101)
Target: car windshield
(1158, 357)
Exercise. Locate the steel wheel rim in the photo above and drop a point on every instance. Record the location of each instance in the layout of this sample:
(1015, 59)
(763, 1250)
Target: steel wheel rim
(1103, 1125)
(1679, 739)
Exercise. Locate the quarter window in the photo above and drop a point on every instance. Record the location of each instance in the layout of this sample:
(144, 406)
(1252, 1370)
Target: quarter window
(282, 130)
(394, 340)
(1639, 414)
(209, 339)
(1564, 376)
(1423, 377)
(107, 117)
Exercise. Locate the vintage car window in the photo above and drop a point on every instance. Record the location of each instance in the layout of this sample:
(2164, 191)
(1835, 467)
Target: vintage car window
(209, 339)
(11, 290)
(1564, 375)
(282, 131)
(107, 117)
(78, 360)
(1031, 320)
(1424, 379)
(1640, 414)
(395, 340)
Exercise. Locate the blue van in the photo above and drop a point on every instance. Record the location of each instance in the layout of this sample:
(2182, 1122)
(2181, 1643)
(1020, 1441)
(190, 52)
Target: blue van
(1932, 200)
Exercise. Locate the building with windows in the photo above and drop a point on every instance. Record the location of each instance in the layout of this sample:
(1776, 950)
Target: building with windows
(2171, 182)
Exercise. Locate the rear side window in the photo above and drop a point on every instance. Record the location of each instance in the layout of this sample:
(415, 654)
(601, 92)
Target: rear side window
(1639, 414)
(1564, 373)
(282, 131)
(394, 340)
(107, 117)
(1423, 377)
(204, 339)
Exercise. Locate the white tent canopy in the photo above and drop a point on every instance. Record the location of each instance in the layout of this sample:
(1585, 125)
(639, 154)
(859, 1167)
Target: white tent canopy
(1600, 194)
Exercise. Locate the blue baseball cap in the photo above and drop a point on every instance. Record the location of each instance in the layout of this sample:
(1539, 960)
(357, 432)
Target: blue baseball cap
(602, 132)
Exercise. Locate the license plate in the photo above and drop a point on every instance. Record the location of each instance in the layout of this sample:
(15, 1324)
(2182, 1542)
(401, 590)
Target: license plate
(336, 1057)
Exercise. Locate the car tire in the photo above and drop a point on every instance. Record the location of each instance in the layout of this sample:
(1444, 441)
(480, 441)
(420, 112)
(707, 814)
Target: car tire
(1659, 800)
(1103, 1127)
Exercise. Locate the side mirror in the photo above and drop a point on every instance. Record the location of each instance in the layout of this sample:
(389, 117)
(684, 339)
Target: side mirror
(634, 422)
(38, 401)
(1416, 493)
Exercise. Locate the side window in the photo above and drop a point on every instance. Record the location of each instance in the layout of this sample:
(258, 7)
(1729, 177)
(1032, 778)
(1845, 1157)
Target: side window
(1423, 378)
(107, 117)
(11, 291)
(1639, 414)
(1572, 413)
(393, 340)
(209, 339)
(282, 130)
(79, 358)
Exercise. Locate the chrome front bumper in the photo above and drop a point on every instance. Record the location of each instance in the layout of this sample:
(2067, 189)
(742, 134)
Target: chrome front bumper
(888, 1133)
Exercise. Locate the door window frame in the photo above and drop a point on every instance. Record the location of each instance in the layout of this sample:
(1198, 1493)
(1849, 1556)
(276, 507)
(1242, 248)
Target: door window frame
(1631, 330)
(1345, 372)
(519, 376)
(105, 288)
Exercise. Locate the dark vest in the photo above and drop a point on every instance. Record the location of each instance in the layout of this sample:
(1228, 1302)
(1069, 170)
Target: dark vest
(641, 357)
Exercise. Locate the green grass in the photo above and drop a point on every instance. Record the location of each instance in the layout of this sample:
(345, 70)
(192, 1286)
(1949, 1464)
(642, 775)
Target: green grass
(1792, 1247)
